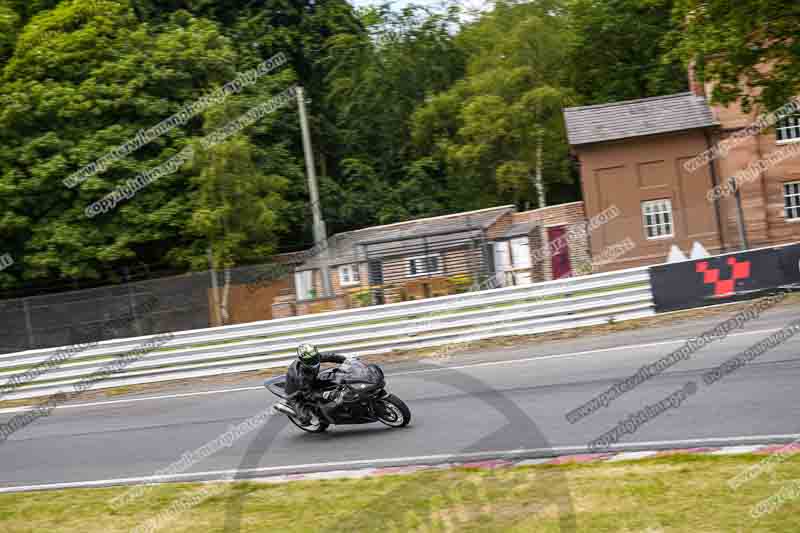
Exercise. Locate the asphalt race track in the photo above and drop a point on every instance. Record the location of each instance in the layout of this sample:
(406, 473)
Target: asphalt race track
(460, 406)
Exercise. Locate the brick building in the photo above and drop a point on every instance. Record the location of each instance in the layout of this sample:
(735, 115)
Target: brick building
(437, 256)
(641, 156)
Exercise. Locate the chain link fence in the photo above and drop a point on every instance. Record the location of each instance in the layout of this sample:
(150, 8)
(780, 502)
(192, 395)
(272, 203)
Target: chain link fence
(138, 308)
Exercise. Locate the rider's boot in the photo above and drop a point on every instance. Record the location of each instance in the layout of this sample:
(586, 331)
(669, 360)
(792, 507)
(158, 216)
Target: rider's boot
(303, 413)
(335, 399)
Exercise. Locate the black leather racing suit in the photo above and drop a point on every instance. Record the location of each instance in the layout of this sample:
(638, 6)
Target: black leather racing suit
(297, 381)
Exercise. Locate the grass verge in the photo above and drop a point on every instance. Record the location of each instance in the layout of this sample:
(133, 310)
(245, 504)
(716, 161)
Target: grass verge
(679, 493)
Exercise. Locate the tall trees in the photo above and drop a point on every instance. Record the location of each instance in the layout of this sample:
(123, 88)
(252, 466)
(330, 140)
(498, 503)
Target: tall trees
(618, 47)
(376, 80)
(500, 128)
(83, 79)
(747, 48)
(9, 26)
(238, 208)
(237, 211)
(307, 31)
(413, 112)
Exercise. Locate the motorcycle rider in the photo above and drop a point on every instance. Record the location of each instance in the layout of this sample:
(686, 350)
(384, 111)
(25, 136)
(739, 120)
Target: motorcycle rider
(302, 376)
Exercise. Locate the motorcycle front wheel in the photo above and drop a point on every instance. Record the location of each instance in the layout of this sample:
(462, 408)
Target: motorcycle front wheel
(315, 426)
(393, 412)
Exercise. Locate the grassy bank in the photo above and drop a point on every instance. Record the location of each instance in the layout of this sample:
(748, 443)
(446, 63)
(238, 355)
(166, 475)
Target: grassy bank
(681, 493)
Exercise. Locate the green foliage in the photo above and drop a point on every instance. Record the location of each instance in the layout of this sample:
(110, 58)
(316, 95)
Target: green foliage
(460, 282)
(238, 206)
(732, 40)
(486, 128)
(377, 79)
(9, 26)
(83, 79)
(618, 50)
(413, 113)
(363, 297)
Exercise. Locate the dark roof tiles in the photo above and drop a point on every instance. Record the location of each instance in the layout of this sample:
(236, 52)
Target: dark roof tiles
(346, 247)
(634, 118)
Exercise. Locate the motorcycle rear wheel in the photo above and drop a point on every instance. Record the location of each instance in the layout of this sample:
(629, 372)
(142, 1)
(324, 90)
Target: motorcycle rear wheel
(394, 413)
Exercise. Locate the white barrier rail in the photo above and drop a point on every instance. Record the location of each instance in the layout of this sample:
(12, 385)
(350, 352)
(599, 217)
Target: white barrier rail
(525, 310)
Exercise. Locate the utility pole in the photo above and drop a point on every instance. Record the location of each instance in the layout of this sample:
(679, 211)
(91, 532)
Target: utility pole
(739, 214)
(320, 234)
(214, 286)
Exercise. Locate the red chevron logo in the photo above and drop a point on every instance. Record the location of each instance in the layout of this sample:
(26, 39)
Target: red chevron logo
(724, 287)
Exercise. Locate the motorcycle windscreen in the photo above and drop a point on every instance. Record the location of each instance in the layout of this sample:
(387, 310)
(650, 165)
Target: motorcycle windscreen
(355, 371)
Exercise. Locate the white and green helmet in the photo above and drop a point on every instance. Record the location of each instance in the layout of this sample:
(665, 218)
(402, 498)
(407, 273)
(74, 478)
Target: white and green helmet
(308, 355)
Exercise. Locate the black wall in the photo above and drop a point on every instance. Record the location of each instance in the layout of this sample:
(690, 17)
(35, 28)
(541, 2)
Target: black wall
(724, 278)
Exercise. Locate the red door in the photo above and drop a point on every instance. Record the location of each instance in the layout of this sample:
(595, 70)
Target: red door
(560, 258)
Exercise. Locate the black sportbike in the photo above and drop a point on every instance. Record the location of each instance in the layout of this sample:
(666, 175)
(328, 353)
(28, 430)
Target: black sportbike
(364, 398)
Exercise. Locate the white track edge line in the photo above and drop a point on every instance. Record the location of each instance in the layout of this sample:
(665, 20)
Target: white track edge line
(225, 474)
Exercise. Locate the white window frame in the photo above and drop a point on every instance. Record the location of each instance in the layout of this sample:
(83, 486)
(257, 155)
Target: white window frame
(426, 273)
(791, 196)
(662, 223)
(349, 275)
(787, 130)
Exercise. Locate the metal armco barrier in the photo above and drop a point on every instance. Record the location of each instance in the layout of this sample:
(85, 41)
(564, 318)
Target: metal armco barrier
(523, 310)
(721, 278)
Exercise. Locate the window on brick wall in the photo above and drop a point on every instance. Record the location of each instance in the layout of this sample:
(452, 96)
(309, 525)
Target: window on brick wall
(788, 129)
(657, 218)
(349, 275)
(791, 200)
